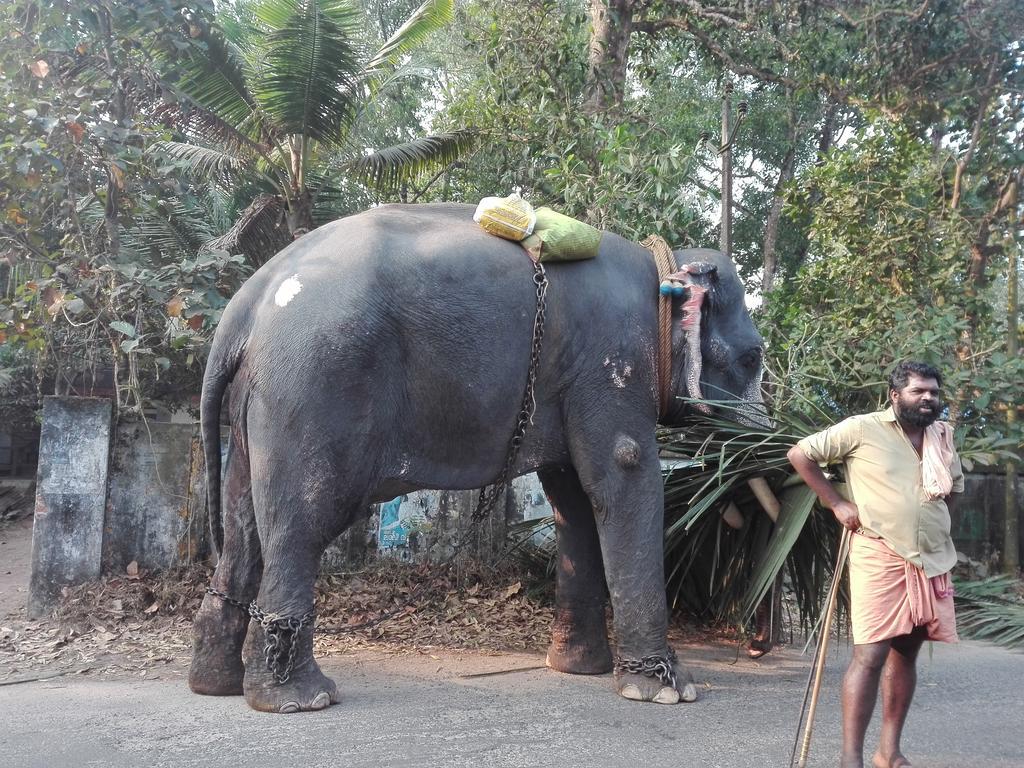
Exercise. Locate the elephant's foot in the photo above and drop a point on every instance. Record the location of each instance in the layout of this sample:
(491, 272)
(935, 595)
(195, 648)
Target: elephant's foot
(218, 632)
(579, 641)
(306, 688)
(636, 686)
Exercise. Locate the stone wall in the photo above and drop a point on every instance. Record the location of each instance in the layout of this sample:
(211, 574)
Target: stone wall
(156, 506)
(106, 500)
(71, 493)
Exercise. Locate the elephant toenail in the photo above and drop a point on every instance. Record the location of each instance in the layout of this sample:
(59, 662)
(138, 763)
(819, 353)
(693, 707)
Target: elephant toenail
(689, 692)
(630, 691)
(667, 695)
(321, 700)
(289, 707)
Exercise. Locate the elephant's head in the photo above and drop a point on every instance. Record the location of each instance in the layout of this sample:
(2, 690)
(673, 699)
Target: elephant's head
(716, 350)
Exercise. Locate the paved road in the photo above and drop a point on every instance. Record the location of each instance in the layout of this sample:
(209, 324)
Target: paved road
(426, 712)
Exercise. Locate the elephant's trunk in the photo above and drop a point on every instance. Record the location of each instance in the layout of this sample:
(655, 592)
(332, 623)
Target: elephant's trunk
(693, 363)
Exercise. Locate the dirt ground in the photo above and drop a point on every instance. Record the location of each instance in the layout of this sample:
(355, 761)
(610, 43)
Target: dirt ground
(15, 567)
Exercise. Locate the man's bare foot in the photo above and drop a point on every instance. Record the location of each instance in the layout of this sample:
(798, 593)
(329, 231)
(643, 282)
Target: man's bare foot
(894, 761)
(851, 761)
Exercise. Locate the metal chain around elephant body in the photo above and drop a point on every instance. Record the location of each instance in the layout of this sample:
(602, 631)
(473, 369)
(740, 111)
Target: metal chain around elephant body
(661, 668)
(489, 495)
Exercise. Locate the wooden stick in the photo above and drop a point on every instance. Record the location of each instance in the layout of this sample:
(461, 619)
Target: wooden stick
(823, 638)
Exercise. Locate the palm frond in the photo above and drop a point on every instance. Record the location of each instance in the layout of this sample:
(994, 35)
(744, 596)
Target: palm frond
(205, 162)
(721, 573)
(175, 231)
(214, 78)
(992, 610)
(205, 127)
(308, 85)
(386, 169)
(425, 20)
(258, 234)
(796, 503)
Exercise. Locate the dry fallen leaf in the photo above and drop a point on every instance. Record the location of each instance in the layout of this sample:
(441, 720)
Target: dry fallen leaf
(512, 590)
(39, 68)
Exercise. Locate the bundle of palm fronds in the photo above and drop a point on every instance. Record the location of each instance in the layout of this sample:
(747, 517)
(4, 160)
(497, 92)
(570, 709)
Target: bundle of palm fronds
(991, 609)
(723, 550)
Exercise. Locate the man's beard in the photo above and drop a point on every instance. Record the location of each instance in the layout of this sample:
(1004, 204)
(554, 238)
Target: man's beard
(913, 417)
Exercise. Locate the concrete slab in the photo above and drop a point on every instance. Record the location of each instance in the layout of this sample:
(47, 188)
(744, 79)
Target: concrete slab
(71, 493)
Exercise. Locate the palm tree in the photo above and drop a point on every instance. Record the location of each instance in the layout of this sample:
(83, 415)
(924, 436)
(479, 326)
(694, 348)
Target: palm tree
(272, 100)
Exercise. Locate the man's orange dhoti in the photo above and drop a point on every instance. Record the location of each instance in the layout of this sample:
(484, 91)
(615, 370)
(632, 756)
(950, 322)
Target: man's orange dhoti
(890, 596)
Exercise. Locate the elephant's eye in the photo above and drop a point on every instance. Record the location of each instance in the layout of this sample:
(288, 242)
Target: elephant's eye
(751, 359)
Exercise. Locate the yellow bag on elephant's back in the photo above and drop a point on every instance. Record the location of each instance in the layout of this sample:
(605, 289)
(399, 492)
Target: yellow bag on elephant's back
(510, 217)
(557, 237)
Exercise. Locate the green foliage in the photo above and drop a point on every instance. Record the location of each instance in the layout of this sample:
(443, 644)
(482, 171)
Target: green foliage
(626, 172)
(100, 237)
(887, 279)
(275, 99)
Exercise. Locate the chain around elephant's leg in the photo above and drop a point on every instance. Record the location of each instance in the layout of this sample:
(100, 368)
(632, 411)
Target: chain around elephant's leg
(305, 687)
(628, 501)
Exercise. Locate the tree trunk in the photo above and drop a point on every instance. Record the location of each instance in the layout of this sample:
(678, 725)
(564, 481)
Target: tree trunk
(977, 279)
(825, 140)
(299, 214)
(771, 229)
(611, 26)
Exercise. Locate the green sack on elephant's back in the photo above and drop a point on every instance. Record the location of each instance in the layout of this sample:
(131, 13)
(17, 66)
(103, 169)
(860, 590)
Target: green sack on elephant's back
(557, 237)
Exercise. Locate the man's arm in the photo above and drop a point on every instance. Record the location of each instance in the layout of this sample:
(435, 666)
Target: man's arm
(846, 512)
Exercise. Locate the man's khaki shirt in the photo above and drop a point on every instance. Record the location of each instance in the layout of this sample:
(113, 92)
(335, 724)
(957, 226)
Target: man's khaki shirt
(884, 475)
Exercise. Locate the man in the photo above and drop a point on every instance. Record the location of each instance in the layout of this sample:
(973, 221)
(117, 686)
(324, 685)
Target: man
(902, 471)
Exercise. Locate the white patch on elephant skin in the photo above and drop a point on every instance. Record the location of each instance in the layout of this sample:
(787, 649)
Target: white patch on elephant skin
(619, 371)
(288, 290)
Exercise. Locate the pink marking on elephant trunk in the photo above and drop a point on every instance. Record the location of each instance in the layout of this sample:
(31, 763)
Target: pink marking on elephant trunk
(691, 332)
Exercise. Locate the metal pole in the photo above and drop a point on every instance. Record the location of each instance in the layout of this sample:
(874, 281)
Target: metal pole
(725, 236)
(1011, 524)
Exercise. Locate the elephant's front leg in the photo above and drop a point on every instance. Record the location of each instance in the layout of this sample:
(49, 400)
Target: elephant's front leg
(579, 635)
(625, 488)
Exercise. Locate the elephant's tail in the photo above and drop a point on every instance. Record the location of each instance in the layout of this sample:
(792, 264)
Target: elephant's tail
(220, 370)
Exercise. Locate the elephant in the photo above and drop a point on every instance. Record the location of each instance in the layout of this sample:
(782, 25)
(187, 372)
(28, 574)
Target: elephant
(388, 352)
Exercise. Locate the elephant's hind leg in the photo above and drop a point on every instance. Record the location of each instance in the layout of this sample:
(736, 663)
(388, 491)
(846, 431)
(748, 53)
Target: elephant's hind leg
(579, 635)
(219, 628)
(298, 516)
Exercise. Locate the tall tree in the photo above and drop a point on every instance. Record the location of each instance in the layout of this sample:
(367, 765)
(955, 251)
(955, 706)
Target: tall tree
(273, 99)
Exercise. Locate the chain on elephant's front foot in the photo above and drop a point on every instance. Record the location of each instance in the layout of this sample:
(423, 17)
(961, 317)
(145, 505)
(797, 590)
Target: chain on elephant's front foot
(306, 688)
(638, 687)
